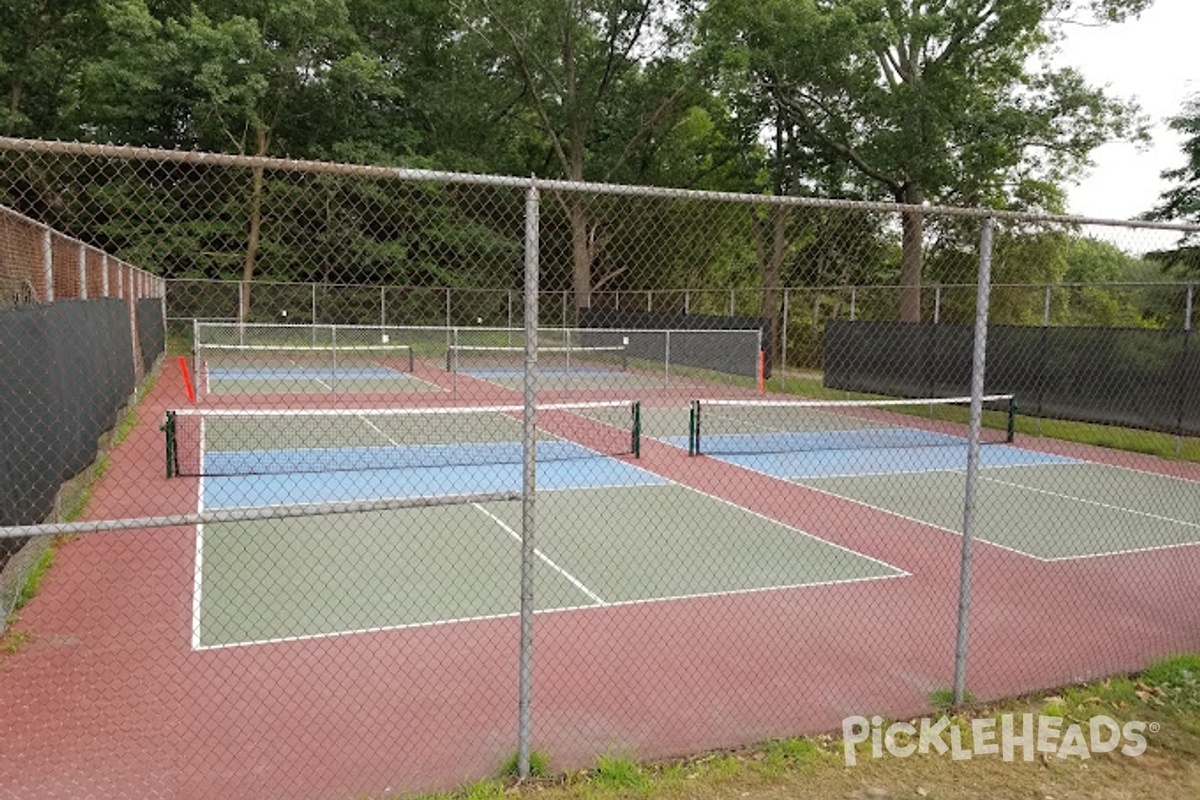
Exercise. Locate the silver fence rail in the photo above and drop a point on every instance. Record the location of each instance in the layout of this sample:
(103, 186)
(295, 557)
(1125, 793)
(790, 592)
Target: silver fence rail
(495, 485)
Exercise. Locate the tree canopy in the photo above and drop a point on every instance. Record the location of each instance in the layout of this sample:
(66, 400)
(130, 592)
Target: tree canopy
(921, 101)
(936, 101)
(1182, 201)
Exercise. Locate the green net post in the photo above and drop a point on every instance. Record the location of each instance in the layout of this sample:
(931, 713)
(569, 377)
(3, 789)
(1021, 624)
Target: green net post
(168, 427)
(637, 429)
(1012, 418)
(693, 428)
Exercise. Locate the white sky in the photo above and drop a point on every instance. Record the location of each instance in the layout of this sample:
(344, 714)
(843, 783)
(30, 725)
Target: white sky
(1152, 60)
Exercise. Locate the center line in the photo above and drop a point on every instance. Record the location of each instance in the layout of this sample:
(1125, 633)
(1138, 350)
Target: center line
(595, 598)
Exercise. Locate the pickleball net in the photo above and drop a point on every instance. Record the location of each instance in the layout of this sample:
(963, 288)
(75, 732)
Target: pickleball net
(747, 427)
(319, 360)
(484, 358)
(229, 442)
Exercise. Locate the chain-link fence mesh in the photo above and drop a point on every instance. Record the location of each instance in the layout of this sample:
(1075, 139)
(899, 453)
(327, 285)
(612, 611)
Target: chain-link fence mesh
(443, 469)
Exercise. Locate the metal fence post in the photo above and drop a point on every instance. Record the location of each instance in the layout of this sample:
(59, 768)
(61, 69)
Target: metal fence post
(47, 267)
(83, 287)
(528, 483)
(978, 358)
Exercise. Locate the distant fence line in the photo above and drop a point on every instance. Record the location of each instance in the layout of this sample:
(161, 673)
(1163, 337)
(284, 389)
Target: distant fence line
(802, 310)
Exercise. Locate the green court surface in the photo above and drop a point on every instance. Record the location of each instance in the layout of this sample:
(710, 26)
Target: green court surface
(283, 579)
(1053, 511)
(559, 379)
(315, 384)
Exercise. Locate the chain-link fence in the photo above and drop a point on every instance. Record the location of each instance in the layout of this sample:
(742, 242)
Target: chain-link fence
(49, 433)
(443, 470)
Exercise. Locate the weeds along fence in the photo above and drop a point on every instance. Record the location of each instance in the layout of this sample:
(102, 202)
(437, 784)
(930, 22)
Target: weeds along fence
(467, 501)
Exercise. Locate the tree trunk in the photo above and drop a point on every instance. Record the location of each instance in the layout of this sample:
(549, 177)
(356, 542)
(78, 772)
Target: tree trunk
(581, 254)
(252, 240)
(912, 262)
(770, 266)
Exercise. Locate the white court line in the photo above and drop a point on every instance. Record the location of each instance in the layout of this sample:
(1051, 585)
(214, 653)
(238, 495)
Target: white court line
(888, 511)
(198, 567)
(565, 609)
(578, 584)
(780, 523)
(892, 472)
(660, 482)
(377, 429)
(671, 482)
(1085, 501)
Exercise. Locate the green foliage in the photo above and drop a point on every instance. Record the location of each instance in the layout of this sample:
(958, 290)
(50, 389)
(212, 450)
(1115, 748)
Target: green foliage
(1176, 680)
(794, 752)
(34, 579)
(943, 699)
(539, 765)
(619, 773)
(916, 102)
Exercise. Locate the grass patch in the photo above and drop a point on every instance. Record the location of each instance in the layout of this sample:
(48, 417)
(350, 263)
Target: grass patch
(33, 580)
(616, 773)
(14, 638)
(539, 765)
(943, 699)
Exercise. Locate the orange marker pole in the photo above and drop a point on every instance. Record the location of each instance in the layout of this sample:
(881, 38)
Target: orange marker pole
(762, 371)
(187, 379)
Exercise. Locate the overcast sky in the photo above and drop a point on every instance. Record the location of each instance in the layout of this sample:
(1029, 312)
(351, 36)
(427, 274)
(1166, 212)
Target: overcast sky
(1153, 60)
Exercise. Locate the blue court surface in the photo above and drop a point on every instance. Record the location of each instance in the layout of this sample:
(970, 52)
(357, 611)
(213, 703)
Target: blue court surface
(415, 481)
(835, 455)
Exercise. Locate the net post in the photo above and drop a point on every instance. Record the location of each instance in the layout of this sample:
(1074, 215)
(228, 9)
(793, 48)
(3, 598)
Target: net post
(333, 348)
(1012, 420)
(412, 362)
(637, 429)
(196, 351)
(667, 360)
(168, 428)
(694, 428)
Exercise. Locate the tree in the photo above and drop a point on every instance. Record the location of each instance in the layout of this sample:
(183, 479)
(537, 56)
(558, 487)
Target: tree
(589, 85)
(925, 101)
(1182, 201)
(42, 45)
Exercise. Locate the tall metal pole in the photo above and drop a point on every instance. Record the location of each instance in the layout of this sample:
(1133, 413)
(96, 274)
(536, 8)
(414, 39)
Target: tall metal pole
(978, 359)
(529, 482)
